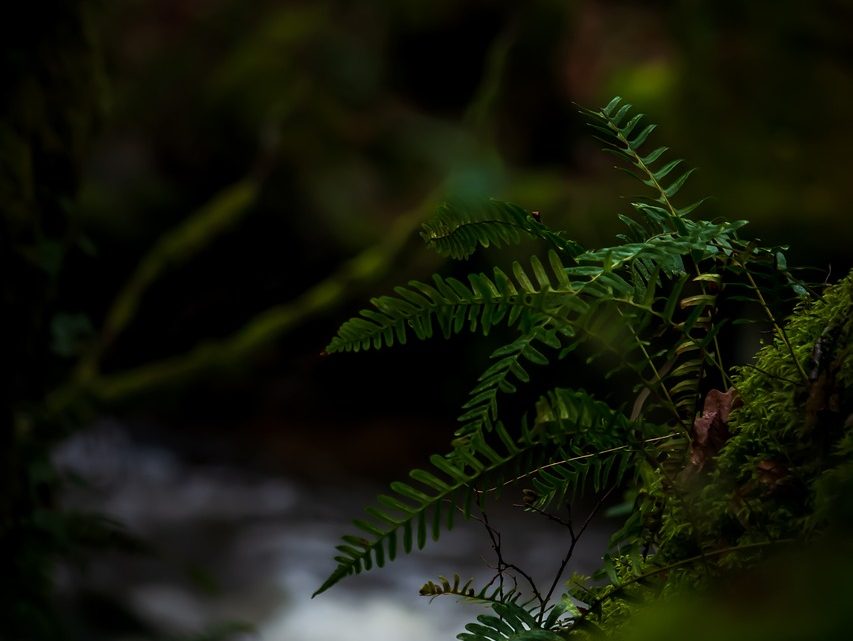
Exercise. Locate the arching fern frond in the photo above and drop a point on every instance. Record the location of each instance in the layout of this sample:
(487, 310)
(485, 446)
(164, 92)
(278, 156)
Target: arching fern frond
(625, 137)
(457, 229)
(487, 594)
(588, 455)
(453, 305)
(411, 514)
(605, 453)
(481, 410)
(699, 239)
(564, 481)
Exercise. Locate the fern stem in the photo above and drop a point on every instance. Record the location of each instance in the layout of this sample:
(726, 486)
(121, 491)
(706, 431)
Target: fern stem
(779, 330)
(638, 160)
(727, 381)
(658, 377)
(583, 457)
(664, 199)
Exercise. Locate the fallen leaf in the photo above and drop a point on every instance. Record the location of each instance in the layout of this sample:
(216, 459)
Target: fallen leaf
(710, 429)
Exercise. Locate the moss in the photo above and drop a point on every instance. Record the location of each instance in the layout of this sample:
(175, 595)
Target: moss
(780, 472)
(788, 432)
(786, 473)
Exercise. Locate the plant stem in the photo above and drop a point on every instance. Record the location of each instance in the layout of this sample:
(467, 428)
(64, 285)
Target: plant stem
(779, 330)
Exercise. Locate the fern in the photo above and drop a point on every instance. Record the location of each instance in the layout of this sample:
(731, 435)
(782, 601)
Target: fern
(566, 479)
(486, 595)
(457, 230)
(513, 623)
(624, 136)
(482, 407)
(453, 306)
(650, 305)
(606, 452)
(411, 514)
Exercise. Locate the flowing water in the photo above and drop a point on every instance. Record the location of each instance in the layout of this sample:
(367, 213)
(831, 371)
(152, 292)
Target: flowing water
(231, 545)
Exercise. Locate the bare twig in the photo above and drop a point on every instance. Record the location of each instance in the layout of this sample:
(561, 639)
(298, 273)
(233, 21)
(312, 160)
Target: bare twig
(780, 331)
(547, 515)
(503, 565)
(575, 537)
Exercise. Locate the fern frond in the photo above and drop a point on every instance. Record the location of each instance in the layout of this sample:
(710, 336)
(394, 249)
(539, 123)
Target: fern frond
(625, 137)
(676, 236)
(566, 410)
(513, 623)
(591, 455)
(457, 229)
(557, 483)
(453, 305)
(700, 240)
(610, 451)
(481, 410)
(486, 594)
(410, 514)
(444, 588)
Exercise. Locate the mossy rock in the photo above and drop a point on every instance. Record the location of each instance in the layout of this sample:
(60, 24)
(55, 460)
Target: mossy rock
(774, 507)
(791, 430)
(781, 473)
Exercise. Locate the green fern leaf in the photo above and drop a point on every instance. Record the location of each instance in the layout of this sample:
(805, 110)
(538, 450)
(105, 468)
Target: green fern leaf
(513, 623)
(408, 507)
(481, 408)
(488, 595)
(626, 141)
(482, 303)
(563, 414)
(458, 229)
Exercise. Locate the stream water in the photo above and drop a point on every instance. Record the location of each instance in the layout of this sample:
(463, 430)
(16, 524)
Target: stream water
(231, 545)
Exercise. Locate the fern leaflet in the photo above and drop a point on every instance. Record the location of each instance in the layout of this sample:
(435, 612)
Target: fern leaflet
(457, 230)
(513, 623)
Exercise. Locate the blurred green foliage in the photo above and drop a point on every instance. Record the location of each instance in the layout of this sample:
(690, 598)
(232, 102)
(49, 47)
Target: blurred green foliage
(346, 115)
(800, 595)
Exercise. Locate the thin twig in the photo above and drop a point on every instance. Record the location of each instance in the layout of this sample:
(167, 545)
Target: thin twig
(503, 565)
(547, 515)
(575, 537)
(779, 330)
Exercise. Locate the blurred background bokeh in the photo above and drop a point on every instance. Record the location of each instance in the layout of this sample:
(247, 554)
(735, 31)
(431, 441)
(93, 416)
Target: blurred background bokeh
(196, 193)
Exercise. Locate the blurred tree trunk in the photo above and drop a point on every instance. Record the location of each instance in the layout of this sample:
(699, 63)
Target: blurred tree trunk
(52, 95)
